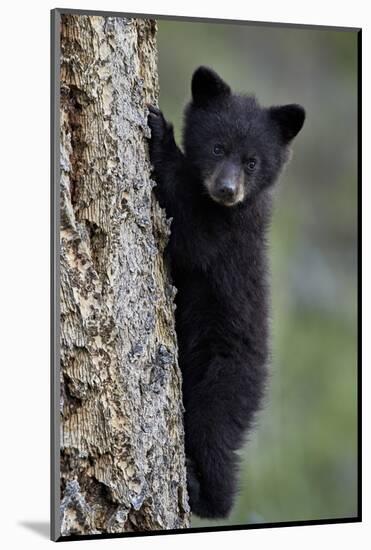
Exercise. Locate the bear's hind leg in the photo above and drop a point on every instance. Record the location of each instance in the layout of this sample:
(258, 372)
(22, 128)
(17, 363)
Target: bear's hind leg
(211, 480)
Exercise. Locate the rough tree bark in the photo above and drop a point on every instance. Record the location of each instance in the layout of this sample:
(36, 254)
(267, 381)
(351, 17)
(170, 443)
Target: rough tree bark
(122, 453)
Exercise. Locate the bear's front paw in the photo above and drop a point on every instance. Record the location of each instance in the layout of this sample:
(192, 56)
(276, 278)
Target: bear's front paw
(162, 136)
(157, 123)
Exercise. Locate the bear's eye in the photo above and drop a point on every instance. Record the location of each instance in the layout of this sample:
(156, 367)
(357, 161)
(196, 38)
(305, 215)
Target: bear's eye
(251, 164)
(218, 150)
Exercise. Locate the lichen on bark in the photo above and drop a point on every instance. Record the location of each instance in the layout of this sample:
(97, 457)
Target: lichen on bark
(122, 458)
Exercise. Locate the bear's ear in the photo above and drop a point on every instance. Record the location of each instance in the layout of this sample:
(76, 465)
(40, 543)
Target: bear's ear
(207, 85)
(290, 119)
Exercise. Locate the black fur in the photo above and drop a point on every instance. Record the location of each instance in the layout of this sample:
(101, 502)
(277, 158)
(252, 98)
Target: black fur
(218, 262)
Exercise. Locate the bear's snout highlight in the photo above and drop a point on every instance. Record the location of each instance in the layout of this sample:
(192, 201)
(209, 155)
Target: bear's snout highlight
(226, 184)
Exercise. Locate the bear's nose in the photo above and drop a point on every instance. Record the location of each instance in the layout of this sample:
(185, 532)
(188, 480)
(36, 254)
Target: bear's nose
(226, 189)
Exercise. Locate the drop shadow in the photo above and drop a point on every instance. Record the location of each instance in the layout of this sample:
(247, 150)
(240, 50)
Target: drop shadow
(42, 528)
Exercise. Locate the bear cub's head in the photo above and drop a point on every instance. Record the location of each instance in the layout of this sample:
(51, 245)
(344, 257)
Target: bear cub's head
(236, 147)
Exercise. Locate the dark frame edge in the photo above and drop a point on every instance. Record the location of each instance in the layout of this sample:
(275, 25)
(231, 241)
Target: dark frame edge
(54, 275)
(75, 11)
(214, 529)
(359, 268)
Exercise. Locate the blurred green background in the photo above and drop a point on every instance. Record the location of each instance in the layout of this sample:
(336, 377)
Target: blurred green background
(301, 460)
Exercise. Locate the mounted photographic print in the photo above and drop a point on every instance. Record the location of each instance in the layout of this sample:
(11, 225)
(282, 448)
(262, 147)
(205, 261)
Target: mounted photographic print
(205, 193)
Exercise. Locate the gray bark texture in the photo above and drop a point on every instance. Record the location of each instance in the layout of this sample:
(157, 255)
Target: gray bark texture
(122, 443)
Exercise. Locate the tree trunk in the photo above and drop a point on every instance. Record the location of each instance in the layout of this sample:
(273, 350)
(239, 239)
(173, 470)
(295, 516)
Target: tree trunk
(122, 450)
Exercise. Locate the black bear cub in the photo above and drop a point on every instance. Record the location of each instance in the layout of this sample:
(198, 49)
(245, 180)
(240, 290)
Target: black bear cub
(218, 193)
